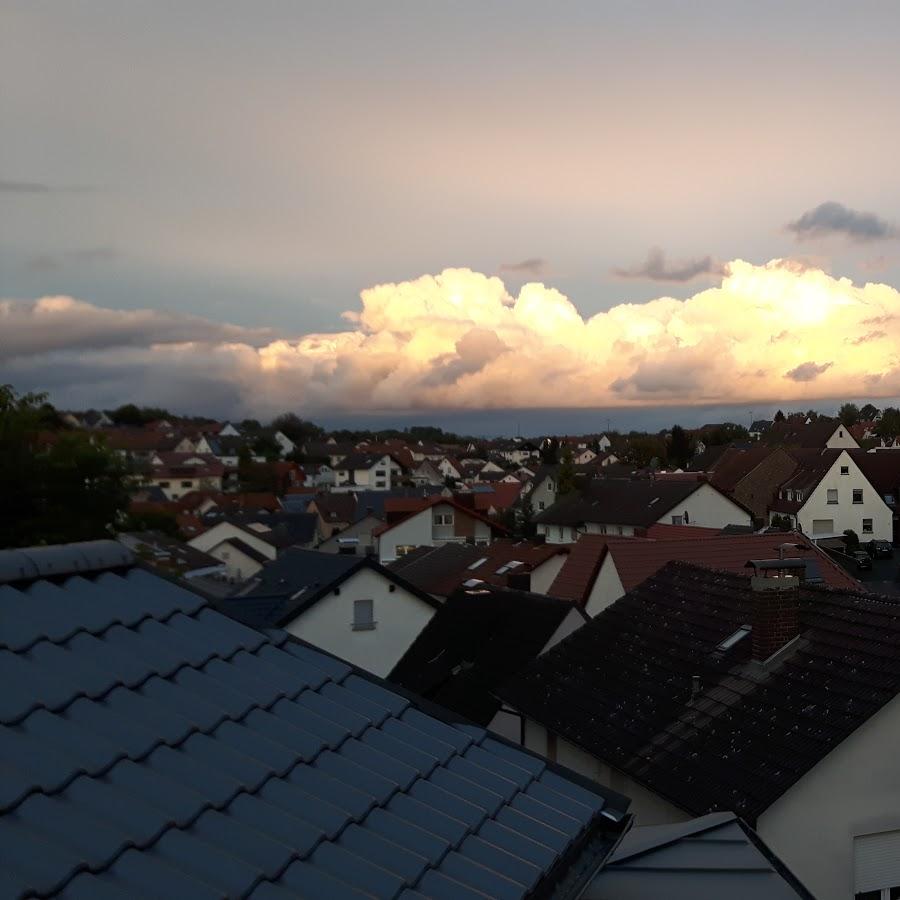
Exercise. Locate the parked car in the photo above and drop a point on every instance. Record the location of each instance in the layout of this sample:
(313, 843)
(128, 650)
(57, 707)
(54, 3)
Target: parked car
(862, 559)
(880, 549)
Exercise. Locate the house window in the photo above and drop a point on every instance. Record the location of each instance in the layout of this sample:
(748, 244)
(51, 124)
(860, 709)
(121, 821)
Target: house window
(857, 495)
(540, 504)
(187, 484)
(560, 532)
(832, 495)
(549, 485)
(841, 433)
(364, 615)
(867, 526)
(443, 518)
(163, 484)
(379, 484)
(379, 473)
(602, 529)
(876, 866)
(619, 530)
(790, 495)
(845, 470)
(678, 520)
(403, 549)
(889, 499)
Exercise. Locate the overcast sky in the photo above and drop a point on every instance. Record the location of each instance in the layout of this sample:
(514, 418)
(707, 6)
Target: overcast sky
(258, 165)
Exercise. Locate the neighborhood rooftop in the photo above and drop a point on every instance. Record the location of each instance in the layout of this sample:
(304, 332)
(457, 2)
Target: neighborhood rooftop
(154, 747)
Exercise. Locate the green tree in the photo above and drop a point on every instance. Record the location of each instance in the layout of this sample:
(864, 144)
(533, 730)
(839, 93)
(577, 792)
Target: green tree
(56, 487)
(151, 520)
(550, 452)
(526, 526)
(678, 447)
(849, 414)
(851, 540)
(264, 444)
(779, 416)
(869, 413)
(889, 426)
(298, 430)
(565, 480)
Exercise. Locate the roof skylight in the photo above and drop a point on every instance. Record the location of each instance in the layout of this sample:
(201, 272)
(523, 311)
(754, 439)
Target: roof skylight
(731, 640)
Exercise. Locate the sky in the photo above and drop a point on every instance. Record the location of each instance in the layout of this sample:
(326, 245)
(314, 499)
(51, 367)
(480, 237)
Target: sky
(408, 209)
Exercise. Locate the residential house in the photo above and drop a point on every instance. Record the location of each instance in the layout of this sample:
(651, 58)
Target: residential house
(475, 642)
(229, 430)
(169, 556)
(752, 477)
(450, 467)
(368, 470)
(524, 565)
(828, 494)
(758, 427)
(600, 569)
(711, 691)
(350, 606)
(434, 521)
(882, 471)
(246, 541)
(153, 747)
(517, 452)
(822, 434)
(177, 474)
(618, 507)
(335, 513)
(427, 473)
(583, 457)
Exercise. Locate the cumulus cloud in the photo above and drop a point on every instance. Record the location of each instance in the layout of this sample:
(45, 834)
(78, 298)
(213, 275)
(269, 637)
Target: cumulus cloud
(460, 339)
(655, 268)
(831, 218)
(62, 323)
(533, 266)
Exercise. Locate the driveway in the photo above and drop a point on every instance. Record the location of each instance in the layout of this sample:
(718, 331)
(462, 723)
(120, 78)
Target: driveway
(882, 577)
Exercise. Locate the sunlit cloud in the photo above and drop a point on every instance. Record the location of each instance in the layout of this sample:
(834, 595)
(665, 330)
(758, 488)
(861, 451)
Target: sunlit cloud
(460, 339)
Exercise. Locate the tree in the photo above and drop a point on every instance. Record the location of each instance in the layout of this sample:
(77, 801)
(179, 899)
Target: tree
(151, 520)
(129, 414)
(849, 414)
(889, 426)
(851, 540)
(264, 444)
(298, 430)
(526, 528)
(56, 487)
(725, 434)
(643, 449)
(678, 447)
(550, 452)
(869, 413)
(779, 416)
(250, 426)
(565, 479)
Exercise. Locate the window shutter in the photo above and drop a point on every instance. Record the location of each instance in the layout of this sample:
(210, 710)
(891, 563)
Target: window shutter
(876, 861)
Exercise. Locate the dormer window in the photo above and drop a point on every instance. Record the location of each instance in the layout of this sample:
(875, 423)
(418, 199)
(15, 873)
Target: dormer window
(845, 470)
(790, 495)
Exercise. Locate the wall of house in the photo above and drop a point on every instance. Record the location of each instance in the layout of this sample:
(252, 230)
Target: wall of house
(225, 530)
(399, 615)
(238, 566)
(845, 513)
(854, 790)
(647, 807)
(842, 439)
(558, 534)
(414, 531)
(607, 588)
(543, 576)
(543, 493)
(710, 508)
(572, 622)
(361, 530)
(614, 529)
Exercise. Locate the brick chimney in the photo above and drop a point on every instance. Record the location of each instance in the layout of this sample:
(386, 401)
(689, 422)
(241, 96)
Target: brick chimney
(776, 605)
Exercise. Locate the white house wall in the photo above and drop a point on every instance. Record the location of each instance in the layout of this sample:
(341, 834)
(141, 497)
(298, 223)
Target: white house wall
(543, 576)
(399, 615)
(854, 790)
(842, 440)
(607, 588)
(845, 513)
(238, 566)
(709, 508)
(414, 531)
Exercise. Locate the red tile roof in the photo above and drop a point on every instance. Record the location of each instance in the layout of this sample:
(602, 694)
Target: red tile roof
(662, 532)
(637, 561)
(502, 496)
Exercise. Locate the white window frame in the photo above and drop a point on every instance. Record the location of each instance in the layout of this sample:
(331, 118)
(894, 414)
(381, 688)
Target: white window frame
(845, 470)
(870, 529)
(678, 520)
(443, 518)
(855, 492)
(828, 495)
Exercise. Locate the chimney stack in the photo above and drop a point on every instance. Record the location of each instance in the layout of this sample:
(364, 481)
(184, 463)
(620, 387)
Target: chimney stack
(776, 605)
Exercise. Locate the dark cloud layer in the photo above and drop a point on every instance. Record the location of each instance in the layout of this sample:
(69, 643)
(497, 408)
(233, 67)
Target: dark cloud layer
(808, 371)
(831, 218)
(655, 268)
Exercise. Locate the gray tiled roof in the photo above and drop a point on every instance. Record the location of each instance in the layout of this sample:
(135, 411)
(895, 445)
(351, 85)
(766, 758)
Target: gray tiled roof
(153, 747)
